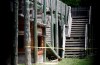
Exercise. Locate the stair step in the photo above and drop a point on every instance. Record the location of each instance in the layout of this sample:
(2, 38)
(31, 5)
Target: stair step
(77, 35)
(74, 42)
(77, 29)
(72, 53)
(68, 56)
(48, 35)
(48, 29)
(74, 50)
(77, 32)
(79, 25)
(74, 23)
(81, 48)
(79, 19)
(74, 45)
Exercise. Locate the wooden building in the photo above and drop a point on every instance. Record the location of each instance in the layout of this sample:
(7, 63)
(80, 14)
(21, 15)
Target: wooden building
(40, 21)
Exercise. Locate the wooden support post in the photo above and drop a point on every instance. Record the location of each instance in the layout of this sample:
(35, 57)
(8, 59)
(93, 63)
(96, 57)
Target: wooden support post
(44, 11)
(62, 27)
(27, 40)
(63, 42)
(35, 32)
(90, 33)
(56, 21)
(52, 31)
(15, 45)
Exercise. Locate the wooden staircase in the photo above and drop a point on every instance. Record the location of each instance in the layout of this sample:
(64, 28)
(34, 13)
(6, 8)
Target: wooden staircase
(75, 44)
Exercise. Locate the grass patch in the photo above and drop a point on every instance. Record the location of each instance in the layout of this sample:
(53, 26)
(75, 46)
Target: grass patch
(32, 64)
(73, 61)
(76, 61)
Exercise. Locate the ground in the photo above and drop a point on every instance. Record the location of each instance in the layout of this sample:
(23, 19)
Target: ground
(71, 61)
(76, 61)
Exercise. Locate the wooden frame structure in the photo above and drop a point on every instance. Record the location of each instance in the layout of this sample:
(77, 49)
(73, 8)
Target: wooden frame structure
(31, 34)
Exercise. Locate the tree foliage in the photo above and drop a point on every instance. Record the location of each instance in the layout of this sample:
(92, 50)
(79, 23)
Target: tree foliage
(77, 2)
(71, 2)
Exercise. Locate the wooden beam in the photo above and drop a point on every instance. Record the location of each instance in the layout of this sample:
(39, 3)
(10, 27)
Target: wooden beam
(53, 51)
(27, 40)
(44, 11)
(56, 27)
(52, 30)
(35, 32)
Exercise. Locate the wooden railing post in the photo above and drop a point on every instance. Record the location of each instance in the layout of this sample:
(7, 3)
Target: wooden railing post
(27, 40)
(66, 14)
